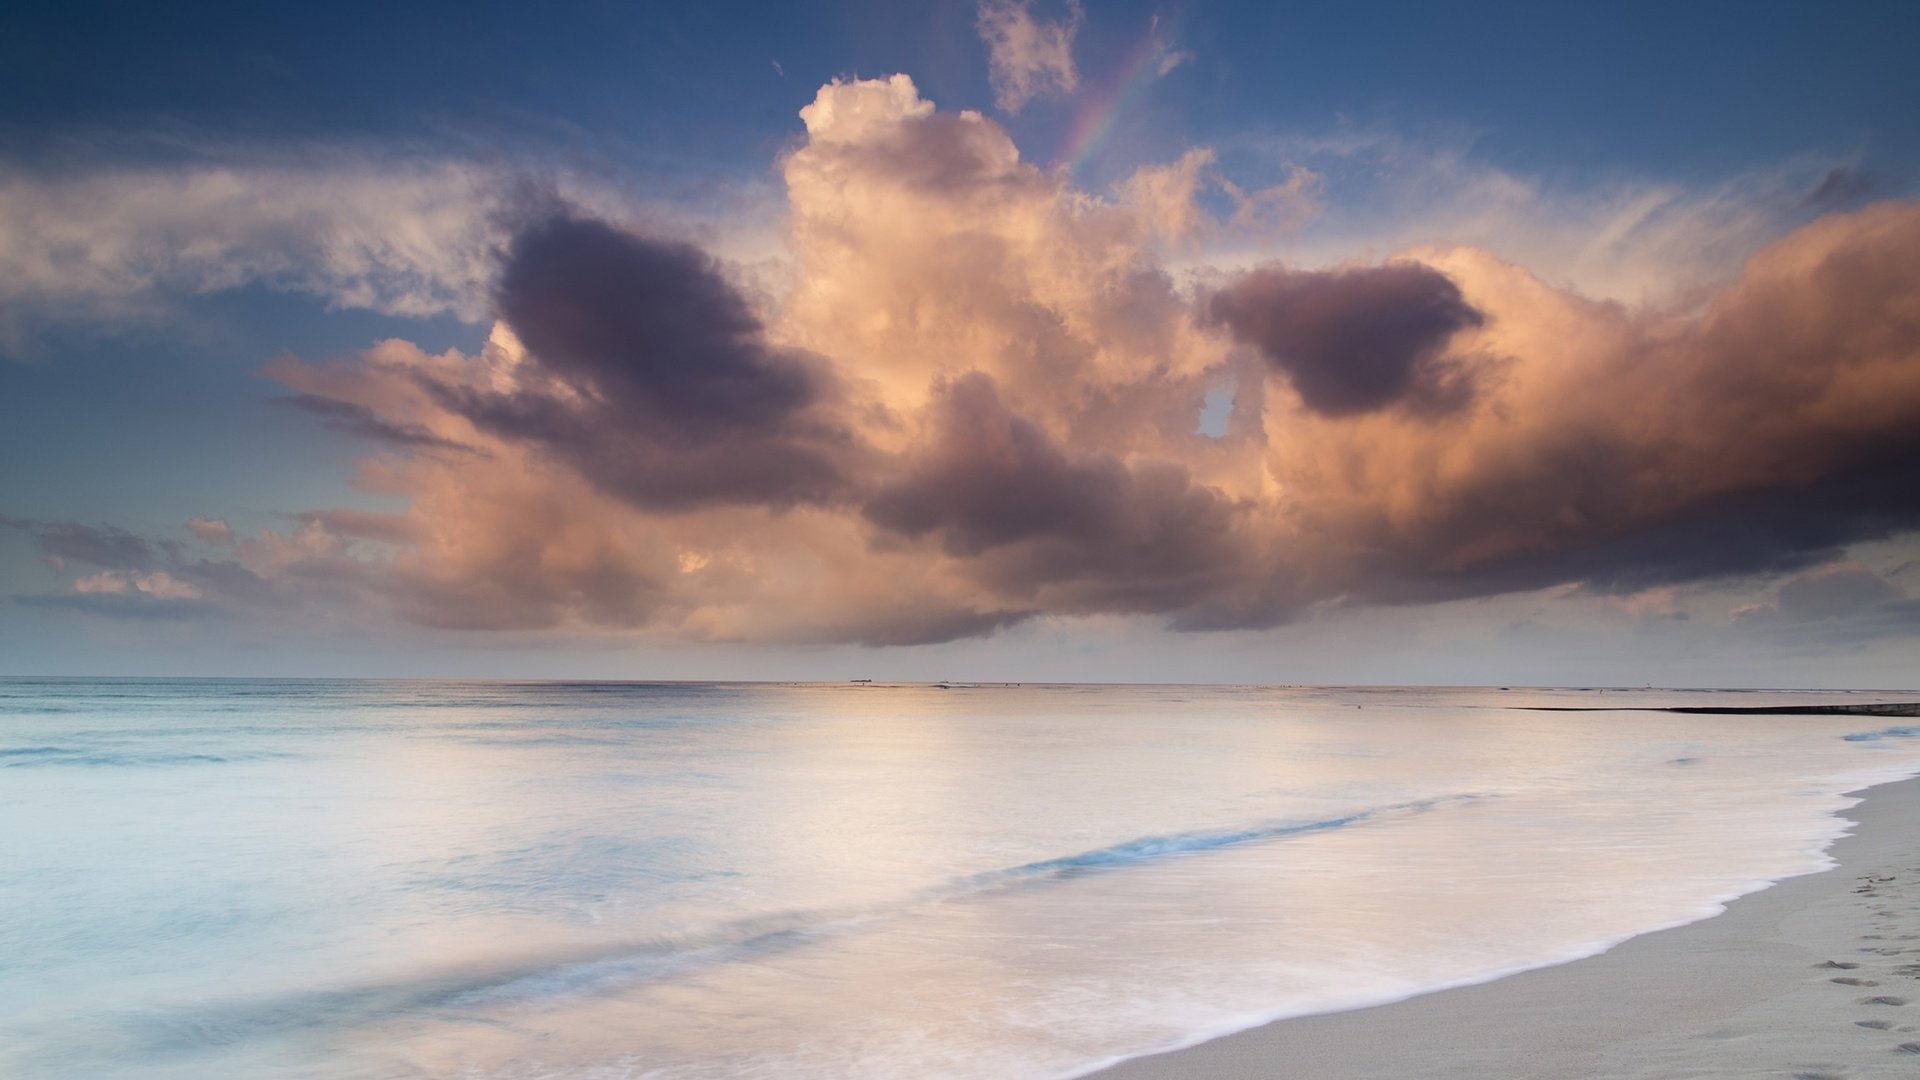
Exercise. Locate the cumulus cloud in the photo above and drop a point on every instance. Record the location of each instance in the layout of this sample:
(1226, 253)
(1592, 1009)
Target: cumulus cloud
(975, 403)
(106, 581)
(158, 584)
(1028, 57)
(211, 530)
(989, 386)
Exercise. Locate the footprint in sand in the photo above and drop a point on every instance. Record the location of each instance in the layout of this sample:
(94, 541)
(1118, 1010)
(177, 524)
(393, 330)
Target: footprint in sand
(1883, 999)
(1837, 964)
(1854, 982)
(1876, 1025)
(1908, 1048)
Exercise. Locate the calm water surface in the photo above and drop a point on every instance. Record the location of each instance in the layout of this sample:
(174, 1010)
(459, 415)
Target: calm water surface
(259, 878)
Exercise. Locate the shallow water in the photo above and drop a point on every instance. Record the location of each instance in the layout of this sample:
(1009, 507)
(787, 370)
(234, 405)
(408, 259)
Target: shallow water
(270, 878)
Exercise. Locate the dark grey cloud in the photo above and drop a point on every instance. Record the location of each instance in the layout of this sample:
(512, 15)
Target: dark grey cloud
(1603, 544)
(650, 374)
(928, 624)
(649, 323)
(1354, 341)
(1089, 530)
(94, 545)
(213, 586)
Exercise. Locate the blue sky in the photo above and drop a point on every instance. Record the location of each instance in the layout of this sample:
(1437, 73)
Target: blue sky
(1693, 89)
(216, 211)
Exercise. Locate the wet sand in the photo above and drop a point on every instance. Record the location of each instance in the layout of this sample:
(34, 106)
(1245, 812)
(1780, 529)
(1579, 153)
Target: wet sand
(1816, 978)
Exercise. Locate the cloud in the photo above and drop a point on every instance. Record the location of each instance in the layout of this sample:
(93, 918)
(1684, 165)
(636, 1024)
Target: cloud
(650, 373)
(1277, 209)
(1835, 604)
(137, 606)
(358, 419)
(1170, 196)
(1353, 341)
(973, 403)
(1026, 57)
(362, 524)
(103, 242)
(1078, 531)
(1641, 240)
(1760, 434)
(1833, 591)
(1841, 185)
(106, 581)
(270, 575)
(211, 530)
(118, 243)
(159, 584)
(995, 387)
(123, 594)
(103, 546)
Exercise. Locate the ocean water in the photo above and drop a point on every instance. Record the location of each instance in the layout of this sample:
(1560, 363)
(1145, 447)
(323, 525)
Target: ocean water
(481, 880)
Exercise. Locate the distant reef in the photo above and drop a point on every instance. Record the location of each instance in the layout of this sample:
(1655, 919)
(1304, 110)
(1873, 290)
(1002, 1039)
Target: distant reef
(1881, 708)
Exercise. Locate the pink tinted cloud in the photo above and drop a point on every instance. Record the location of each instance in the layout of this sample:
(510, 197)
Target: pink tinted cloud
(976, 404)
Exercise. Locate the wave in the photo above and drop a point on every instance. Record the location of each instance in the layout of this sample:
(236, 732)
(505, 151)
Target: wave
(551, 977)
(1145, 848)
(22, 757)
(32, 751)
(662, 956)
(1883, 733)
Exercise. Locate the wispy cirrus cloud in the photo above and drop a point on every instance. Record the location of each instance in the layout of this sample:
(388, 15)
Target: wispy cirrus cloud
(106, 242)
(125, 242)
(1621, 236)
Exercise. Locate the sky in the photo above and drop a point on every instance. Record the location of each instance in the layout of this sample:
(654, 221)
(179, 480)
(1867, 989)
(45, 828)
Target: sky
(1482, 343)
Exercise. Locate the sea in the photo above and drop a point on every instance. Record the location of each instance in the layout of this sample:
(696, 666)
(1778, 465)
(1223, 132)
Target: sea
(701, 881)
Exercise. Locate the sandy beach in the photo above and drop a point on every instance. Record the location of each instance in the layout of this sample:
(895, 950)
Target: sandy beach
(1816, 978)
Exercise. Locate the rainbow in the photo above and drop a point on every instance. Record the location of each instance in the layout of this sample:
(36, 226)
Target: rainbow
(1102, 107)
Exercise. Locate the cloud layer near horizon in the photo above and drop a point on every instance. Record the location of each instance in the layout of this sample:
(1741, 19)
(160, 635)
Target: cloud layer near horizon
(979, 401)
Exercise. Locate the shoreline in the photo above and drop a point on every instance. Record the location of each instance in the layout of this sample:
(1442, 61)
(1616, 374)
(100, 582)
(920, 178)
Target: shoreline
(1816, 977)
